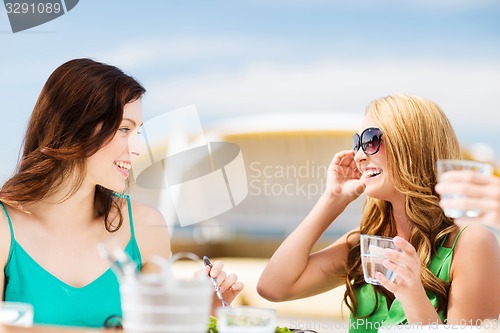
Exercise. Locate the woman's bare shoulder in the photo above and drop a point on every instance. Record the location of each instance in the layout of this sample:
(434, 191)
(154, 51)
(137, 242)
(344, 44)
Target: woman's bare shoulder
(475, 235)
(476, 245)
(146, 215)
(151, 231)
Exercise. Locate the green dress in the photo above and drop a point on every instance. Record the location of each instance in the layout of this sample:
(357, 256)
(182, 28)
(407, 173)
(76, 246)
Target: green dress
(440, 266)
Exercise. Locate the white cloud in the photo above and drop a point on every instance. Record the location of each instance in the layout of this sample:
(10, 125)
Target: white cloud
(186, 48)
(466, 91)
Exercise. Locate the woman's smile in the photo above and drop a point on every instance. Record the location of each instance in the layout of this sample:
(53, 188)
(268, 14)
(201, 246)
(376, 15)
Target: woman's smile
(123, 167)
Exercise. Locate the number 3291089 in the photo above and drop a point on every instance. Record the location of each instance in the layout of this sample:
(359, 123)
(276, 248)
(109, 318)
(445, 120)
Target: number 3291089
(33, 8)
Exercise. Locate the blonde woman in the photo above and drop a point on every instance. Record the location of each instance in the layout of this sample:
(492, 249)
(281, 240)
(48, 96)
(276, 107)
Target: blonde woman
(446, 272)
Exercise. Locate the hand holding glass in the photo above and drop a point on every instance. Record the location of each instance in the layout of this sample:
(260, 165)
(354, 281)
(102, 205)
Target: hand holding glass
(372, 257)
(461, 165)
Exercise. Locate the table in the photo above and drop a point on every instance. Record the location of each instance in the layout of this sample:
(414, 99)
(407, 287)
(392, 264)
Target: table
(54, 329)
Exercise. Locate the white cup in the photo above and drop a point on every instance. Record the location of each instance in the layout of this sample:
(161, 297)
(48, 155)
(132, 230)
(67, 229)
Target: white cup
(462, 165)
(17, 314)
(163, 303)
(372, 257)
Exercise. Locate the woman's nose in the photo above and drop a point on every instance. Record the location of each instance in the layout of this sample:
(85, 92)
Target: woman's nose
(359, 155)
(136, 144)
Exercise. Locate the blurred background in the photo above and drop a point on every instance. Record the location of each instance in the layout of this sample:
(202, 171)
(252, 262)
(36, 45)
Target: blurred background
(288, 81)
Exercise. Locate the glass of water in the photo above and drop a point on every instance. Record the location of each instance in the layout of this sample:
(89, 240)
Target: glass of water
(462, 165)
(372, 257)
(18, 314)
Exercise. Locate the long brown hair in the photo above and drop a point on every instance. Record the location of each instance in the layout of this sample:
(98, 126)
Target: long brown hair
(416, 133)
(79, 110)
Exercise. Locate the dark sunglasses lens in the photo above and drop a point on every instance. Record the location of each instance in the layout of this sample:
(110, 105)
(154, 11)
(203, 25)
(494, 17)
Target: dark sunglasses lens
(370, 141)
(355, 142)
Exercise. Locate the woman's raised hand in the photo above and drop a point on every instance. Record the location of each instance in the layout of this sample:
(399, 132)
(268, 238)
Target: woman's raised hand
(343, 178)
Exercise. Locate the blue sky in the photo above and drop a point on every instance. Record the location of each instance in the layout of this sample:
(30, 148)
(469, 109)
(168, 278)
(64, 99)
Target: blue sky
(234, 58)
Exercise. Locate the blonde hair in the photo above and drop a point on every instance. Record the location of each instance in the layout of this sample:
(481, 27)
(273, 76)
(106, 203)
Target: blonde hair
(416, 133)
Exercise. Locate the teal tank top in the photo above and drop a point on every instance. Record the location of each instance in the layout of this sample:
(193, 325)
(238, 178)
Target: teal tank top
(57, 303)
(440, 266)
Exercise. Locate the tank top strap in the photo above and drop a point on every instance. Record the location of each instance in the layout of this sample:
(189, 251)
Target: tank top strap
(9, 221)
(132, 248)
(129, 207)
(444, 240)
(456, 238)
(130, 217)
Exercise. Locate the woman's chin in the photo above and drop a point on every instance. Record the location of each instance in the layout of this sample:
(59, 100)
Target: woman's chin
(115, 188)
(372, 192)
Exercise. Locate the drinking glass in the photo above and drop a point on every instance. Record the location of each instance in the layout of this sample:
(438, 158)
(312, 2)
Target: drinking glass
(372, 257)
(461, 165)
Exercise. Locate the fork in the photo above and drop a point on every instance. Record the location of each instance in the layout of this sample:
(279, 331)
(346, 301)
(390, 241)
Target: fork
(208, 263)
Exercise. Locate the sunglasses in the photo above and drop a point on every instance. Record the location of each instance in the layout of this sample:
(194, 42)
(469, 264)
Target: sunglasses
(369, 141)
